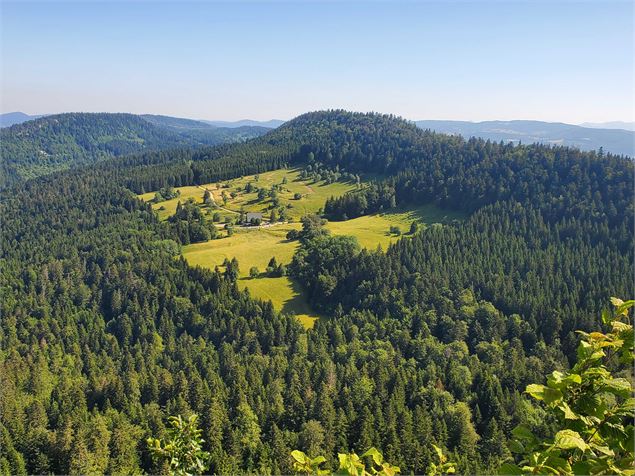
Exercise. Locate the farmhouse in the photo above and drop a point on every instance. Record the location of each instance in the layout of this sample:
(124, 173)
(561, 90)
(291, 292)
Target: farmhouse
(252, 217)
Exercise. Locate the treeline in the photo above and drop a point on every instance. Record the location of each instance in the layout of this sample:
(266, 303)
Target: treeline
(469, 175)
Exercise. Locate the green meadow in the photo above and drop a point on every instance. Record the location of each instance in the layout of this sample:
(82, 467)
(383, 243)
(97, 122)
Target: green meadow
(231, 197)
(256, 246)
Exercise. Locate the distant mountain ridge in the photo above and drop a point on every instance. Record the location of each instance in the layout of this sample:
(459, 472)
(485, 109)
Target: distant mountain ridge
(271, 124)
(627, 126)
(10, 118)
(47, 144)
(616, 141)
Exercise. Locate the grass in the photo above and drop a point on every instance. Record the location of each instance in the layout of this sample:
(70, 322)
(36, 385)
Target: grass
(255, 247)
(168, 208)
(285, 295)
(252, 247)
(373, 230)
(313, 195)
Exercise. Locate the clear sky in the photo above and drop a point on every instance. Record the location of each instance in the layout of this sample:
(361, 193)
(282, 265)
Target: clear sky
(546, 60)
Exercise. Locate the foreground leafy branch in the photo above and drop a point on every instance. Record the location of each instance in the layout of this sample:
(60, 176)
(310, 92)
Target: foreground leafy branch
(350, 464)
(594, 408)
(182, 448)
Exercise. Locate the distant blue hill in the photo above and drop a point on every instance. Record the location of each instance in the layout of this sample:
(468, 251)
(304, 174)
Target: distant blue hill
(271, 124)
(616, 141)
(11, 118)
(629, 126)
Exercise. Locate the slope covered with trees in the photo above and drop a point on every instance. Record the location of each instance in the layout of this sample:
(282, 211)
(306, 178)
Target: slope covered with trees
(105, 331)
(61, 141)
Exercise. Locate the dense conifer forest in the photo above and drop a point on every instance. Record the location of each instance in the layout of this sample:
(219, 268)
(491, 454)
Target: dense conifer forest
(63, 141)
(105, 331)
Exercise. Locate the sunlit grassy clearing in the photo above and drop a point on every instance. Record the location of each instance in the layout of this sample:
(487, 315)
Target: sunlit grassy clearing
(284, 294)
(313, 195)
(251, 247)
(255, 247)
(168, 208)
(373, 230)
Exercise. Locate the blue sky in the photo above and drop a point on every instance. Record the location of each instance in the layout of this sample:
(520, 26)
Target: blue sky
(546, 60)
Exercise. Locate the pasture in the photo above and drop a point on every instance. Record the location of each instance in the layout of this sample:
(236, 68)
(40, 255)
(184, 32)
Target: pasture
(256, 246)
(231, 196)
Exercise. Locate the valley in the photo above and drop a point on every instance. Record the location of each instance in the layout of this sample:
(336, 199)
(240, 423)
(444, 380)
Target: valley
(254, 246)
(313, 238)
(128, 297)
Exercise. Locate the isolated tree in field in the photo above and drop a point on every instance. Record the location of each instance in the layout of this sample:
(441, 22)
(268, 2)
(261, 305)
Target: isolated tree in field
(274, 269)
(232, 270)
(312, 225)
(254, 272)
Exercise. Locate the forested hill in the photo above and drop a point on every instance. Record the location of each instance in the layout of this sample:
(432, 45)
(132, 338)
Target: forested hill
(105, 331)
(61, 141)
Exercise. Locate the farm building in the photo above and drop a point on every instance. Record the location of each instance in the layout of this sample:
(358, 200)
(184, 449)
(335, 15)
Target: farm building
(252, 217)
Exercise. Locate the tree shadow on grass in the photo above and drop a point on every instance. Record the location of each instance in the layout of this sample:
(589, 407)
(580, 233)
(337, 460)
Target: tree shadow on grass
(297, 304)
(428, 214)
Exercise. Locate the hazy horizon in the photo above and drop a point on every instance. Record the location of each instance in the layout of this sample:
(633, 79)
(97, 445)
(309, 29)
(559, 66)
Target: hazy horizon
(215, 119)
(565, 61)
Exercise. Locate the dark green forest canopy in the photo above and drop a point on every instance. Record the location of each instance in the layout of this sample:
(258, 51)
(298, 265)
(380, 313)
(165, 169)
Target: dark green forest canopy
(62, 141)
(105, 331)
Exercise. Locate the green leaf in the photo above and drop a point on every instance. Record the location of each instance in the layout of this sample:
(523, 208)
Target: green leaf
(581, 467)
(568, 413)
(535, 390)
(509, 468)
(299, 456)
(561, 465)
(629, 444)
(523, 433)
(616, 301)
(561, 381)
(623, 308)
(568, 440)
(516, 446)
(551, 395)
(439, 452)
(618, 386)
(375, 454)
(602, 449)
